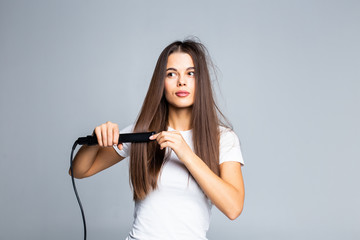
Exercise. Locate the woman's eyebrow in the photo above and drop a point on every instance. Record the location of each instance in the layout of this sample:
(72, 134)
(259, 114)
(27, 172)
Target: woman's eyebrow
(174, 69)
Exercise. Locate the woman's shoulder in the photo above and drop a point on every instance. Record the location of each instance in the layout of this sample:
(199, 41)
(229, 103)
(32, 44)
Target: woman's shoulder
(226, 131)
(230, 149)
(227, 136)
(223, 128)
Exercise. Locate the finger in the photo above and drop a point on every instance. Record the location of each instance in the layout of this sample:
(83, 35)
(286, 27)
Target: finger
(159, 136)
(116, 134)
(104, 134)
(152, 137)
(120, 146)
(166, 140)
(99, 136)
(163, 138)
(165, 144)
(170, 133)
(109, 136)
(163, 133)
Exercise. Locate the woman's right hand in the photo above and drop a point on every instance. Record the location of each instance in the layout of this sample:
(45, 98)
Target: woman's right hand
(108, 135)
(90, 160)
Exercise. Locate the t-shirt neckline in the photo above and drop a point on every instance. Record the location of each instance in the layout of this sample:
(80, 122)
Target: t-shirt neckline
(186, 131)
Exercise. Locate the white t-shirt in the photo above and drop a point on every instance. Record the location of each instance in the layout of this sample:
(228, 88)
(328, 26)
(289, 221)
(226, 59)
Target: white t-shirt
(178, 208)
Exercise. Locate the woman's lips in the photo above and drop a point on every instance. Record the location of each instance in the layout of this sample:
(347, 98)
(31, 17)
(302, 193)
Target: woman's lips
(182, 93)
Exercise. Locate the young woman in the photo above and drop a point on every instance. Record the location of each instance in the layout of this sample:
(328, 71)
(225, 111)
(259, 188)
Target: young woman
(194, 160)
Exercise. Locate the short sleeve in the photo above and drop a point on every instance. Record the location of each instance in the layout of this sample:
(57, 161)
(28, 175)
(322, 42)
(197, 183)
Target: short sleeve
(125, 152)
(230, 147)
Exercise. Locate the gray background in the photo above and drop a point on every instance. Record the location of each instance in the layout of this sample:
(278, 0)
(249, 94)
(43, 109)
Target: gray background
(289, 78)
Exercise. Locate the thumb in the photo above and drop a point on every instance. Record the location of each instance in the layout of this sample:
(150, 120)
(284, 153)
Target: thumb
(120, 146)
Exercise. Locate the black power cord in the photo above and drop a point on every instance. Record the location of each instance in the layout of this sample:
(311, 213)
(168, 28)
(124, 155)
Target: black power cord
(75, 190)
(92, 140)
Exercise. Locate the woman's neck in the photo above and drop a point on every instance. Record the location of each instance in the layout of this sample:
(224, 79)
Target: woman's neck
(180, 118)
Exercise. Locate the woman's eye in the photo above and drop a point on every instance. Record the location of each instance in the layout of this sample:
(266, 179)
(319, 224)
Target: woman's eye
(171, 74)
(192, 73)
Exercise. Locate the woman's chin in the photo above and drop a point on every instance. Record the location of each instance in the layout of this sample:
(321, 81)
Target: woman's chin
(180, 106)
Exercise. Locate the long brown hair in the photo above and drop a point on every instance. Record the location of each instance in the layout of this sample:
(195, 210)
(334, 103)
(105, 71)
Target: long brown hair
(146, 159)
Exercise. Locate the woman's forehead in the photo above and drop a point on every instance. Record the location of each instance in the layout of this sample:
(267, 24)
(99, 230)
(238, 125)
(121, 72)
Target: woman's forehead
(179, 60)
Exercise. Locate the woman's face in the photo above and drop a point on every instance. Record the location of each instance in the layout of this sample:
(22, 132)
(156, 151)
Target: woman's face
(180, 80)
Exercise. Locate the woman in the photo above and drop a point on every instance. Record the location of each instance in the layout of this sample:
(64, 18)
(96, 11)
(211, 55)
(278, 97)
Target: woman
(193, 162)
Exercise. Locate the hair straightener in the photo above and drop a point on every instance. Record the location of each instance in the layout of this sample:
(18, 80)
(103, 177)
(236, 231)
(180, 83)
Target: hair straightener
(92, 140)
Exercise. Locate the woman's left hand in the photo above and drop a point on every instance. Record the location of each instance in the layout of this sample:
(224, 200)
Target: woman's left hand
(175, 141)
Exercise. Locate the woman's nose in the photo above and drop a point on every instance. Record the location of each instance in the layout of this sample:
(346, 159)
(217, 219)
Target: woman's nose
(181, 81)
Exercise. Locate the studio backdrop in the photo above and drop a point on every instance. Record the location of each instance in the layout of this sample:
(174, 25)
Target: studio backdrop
(287, 79)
